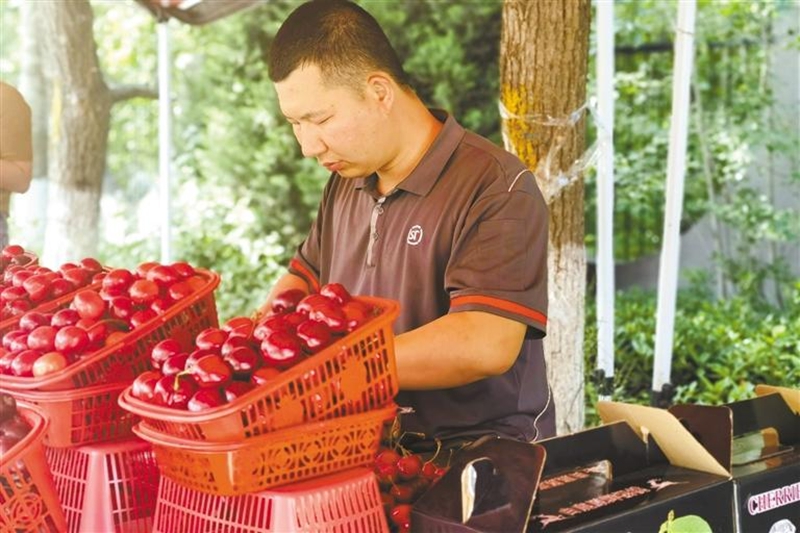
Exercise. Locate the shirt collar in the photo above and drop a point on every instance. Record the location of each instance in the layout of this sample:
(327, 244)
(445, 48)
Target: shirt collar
(427, 172)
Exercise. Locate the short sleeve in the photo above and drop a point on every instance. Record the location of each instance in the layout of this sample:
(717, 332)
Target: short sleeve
(499, 259)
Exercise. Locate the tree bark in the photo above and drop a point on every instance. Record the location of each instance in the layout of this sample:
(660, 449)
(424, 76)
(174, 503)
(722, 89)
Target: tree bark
(30, 208)
(543, 67)
(79, 124)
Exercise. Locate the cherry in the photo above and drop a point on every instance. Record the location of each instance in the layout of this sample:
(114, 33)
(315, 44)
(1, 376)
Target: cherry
(163, 351)
(205, 399)
(401, 514)
(310, 302)
(281, 349)
(314, 335)
(409, 467)
(402, 492)
(336, 292)
(387, 456)
(211, 371)
(286, 301)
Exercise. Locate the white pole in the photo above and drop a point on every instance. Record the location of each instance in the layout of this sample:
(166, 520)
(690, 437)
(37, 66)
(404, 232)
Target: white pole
(164, 139)
(605, 197)
(676, 171)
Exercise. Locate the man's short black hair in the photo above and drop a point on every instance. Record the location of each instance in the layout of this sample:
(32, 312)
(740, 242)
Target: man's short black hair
(337, 36)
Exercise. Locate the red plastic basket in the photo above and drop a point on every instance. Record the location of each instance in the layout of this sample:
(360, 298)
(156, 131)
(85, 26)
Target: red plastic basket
(131, 356)
(354, 375)
(346, 502)
(81, 416)
(25, 259)
(49, 306)
(110, 487)
(277, 458)
(28, 498)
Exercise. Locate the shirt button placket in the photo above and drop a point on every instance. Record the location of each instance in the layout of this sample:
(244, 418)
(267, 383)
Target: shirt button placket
(377, 211)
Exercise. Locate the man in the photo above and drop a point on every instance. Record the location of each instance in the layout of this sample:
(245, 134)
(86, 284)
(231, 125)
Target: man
(423, 212)
(15, 150)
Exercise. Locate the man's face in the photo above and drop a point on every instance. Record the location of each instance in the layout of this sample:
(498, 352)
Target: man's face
(332, 123)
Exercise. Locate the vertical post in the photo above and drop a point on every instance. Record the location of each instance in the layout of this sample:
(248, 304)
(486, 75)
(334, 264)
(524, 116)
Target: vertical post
(676, 171)
(164, 139)
(605, 199)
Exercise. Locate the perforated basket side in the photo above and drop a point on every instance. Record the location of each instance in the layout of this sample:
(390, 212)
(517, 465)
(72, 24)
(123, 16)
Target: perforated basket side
(355, 374)
(81, 416)
(69, 474)
(279, 458)
(28, 498)
(347, 502)
(106, 487)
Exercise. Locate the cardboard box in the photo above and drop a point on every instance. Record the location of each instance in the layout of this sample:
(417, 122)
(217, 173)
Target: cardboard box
(762, 454)
(641, 471)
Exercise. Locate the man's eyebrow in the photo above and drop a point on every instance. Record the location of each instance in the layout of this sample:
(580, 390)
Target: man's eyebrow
(310, 115)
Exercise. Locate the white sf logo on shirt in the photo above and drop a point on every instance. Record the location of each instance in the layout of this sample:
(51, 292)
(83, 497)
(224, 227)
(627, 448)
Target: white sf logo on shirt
(414, 235)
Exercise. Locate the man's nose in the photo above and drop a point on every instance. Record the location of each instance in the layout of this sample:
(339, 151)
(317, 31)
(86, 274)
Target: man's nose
(311, 143)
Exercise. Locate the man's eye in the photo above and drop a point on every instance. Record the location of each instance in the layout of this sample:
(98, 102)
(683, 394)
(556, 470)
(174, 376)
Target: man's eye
(323, 121)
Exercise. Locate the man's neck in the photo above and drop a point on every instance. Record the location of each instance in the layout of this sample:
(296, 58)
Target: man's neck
(417, 132)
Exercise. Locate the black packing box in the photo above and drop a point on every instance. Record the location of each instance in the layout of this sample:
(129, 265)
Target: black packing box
(640, 471)
(762, 454)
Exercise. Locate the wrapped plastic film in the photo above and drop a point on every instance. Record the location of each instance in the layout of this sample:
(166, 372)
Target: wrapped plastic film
(554, 186)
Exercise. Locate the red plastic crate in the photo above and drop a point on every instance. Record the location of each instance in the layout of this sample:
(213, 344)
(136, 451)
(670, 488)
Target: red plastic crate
(110, 487)
(278, 458)
(355, 374)
(81, 416)
(131, 356)
(28, 498)
(346, 502)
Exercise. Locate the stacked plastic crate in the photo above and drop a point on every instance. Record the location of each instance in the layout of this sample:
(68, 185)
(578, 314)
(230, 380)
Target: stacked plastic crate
(293, 454)
(105, 476)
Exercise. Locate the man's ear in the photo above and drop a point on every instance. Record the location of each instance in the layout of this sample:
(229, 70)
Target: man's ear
(382, 89)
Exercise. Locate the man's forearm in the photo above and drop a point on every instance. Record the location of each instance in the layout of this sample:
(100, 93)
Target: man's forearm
(15, 176)
(457, 349)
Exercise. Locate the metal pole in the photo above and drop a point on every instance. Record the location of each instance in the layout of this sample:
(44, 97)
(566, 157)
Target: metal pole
(605, 198)
(676, 171)
(164, 139)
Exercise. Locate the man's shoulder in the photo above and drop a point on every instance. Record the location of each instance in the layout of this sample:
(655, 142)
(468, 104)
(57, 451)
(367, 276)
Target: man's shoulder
(488, 159)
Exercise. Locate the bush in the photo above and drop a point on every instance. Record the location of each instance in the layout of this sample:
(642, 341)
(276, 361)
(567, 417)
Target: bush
(721, 349)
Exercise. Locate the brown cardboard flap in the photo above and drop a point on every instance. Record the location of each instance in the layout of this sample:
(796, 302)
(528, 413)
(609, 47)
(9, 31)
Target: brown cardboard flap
(680, 447)
(711, 425)
(790, 396)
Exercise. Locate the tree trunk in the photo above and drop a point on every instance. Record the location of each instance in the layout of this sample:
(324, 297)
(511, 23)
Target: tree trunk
(30, 208)
(543, 67)
(80, 116)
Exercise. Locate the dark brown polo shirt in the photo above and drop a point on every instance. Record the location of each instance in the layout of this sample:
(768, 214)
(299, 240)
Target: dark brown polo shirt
(466, 230)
